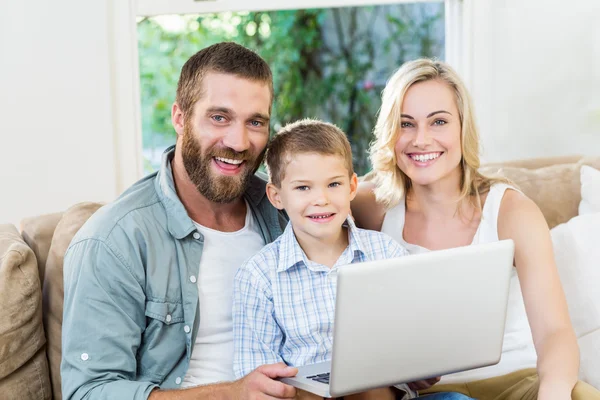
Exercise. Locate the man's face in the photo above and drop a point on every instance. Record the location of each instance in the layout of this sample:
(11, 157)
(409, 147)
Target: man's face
(225, 137)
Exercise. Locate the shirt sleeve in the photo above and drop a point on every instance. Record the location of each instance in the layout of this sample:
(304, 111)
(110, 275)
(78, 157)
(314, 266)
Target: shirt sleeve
(256, 335)
(103, 321)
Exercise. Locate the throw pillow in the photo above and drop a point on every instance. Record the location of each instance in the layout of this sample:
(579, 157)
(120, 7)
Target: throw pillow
(576, 252)
(590, 190)
(23, 365)
(53, 290)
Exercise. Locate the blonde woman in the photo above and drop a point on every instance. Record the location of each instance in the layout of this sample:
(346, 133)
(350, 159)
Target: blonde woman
(426, 192)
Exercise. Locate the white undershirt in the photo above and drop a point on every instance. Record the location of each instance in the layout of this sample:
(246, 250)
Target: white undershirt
(223, 254)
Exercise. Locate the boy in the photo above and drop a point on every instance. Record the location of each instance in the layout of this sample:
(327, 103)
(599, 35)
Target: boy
(284, 296)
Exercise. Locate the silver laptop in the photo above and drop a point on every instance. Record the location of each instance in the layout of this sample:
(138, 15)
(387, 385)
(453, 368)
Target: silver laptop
(415, 317)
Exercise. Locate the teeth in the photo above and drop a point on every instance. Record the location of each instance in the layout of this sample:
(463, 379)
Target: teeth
(321, 216)
(229, 160)
(426, 157)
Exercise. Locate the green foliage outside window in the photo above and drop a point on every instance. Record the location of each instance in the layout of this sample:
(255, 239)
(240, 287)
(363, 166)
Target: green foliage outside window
(327, 63)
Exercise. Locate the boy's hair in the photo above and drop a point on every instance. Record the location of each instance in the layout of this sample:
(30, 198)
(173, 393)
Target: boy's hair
(306, 136)
(225, 57)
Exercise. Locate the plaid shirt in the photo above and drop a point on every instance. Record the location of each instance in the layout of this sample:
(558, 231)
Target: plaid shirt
(283, 307)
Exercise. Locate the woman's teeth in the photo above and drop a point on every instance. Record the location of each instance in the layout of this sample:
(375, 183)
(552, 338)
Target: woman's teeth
(425, 157)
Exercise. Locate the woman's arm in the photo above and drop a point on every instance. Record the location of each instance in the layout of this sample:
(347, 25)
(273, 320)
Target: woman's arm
(556, 345)
(366, 211)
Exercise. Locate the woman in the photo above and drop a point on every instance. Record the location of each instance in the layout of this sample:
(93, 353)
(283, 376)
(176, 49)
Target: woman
(426, 192)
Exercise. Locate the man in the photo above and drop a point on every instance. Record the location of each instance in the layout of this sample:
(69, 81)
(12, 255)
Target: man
(148, 279)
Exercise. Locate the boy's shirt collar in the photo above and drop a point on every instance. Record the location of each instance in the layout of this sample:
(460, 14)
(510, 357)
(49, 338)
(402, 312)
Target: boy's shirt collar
(290, 252)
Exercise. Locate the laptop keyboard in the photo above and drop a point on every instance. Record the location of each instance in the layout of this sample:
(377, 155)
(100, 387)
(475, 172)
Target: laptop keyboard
(323, 378)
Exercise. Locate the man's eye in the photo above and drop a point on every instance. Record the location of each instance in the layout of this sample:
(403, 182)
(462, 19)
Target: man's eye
(405, 124)
(257, 123)
(218, 118)
(302, 188)
(439, 122)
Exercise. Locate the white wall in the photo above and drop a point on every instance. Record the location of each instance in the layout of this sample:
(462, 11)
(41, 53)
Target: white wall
(534, 72)
(57, 123)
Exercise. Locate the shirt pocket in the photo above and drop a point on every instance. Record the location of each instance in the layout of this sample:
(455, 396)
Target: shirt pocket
(165, 311)
(163, 342)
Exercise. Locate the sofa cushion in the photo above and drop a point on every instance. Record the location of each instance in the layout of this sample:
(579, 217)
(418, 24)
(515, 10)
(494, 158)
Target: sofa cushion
(590, 190)
(53, 290)
(37, 233)
(555, 189)
(23, 365)
(576, 252)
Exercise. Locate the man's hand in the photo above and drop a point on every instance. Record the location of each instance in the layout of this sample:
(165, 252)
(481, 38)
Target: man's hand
(260, 383)
(424, 384)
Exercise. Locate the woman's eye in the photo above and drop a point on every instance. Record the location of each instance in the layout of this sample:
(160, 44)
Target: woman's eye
(405, 124)
(439, 122)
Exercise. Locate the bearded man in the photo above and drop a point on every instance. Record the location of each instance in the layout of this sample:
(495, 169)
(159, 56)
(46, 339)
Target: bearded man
(148, 279)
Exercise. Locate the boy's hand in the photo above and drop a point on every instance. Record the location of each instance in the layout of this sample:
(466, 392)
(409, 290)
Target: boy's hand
(423, 384)
(261, 383)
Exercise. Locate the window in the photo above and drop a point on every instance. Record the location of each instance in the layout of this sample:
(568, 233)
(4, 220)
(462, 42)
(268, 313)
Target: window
(328, 63)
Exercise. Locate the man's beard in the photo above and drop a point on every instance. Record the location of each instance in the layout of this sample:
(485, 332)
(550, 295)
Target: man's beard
(219, 189)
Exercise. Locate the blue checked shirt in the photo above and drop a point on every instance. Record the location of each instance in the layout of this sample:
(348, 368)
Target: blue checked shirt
(283, 306)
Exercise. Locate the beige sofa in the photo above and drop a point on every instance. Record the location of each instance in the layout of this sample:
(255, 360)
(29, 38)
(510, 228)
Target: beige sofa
(31, 285)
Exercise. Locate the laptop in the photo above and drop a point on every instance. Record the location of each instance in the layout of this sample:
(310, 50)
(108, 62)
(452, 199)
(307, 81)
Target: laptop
(415, 317)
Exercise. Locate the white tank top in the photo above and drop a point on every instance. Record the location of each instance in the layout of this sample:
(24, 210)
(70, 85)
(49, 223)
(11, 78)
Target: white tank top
(518, 351)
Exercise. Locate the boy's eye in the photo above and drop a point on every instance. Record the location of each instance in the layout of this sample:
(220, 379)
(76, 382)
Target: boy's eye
(405, 124)
(335, 184)
(301, 188)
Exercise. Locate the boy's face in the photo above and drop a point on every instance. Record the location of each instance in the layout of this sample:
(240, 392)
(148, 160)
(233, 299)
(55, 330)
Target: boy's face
(316, 192)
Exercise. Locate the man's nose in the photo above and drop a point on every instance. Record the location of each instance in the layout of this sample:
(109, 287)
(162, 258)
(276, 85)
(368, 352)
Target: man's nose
(237, 138)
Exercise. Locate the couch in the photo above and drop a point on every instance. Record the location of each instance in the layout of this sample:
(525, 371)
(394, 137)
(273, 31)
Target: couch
(31, 284)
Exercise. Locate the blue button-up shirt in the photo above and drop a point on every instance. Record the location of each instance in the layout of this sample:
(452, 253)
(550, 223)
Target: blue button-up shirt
(283, 308)
(131, 301)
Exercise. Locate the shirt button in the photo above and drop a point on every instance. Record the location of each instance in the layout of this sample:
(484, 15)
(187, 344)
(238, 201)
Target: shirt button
(193, 279)
(186, 329)
(196, 235)
(85, 356)
(177, 380)
(168, 318)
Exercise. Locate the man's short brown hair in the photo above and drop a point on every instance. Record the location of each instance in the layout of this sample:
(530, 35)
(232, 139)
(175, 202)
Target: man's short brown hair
(306, 136)
(224, 57)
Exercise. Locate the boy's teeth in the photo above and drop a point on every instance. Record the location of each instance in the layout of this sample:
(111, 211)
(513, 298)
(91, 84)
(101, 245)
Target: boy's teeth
(229, 160)
(321, 216)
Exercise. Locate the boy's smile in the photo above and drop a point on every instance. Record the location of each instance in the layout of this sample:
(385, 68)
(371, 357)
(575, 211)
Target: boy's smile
(316, 192)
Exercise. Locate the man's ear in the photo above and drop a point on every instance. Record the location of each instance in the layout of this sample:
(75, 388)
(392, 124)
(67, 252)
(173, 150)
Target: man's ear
(353, 186)
(274, 196)
(177, 119)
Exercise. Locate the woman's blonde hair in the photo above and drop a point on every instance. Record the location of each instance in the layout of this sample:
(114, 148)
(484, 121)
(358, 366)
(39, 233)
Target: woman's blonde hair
(390, 182)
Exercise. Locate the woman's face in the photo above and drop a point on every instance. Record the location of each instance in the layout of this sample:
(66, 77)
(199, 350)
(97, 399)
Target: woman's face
(428, 148)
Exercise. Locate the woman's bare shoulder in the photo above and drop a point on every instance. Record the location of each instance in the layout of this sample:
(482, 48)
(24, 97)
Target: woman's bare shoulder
(519, 214)
(367, 212)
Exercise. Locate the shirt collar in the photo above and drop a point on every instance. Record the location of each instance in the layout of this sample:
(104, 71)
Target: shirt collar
(178, 221)
(291, 253)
